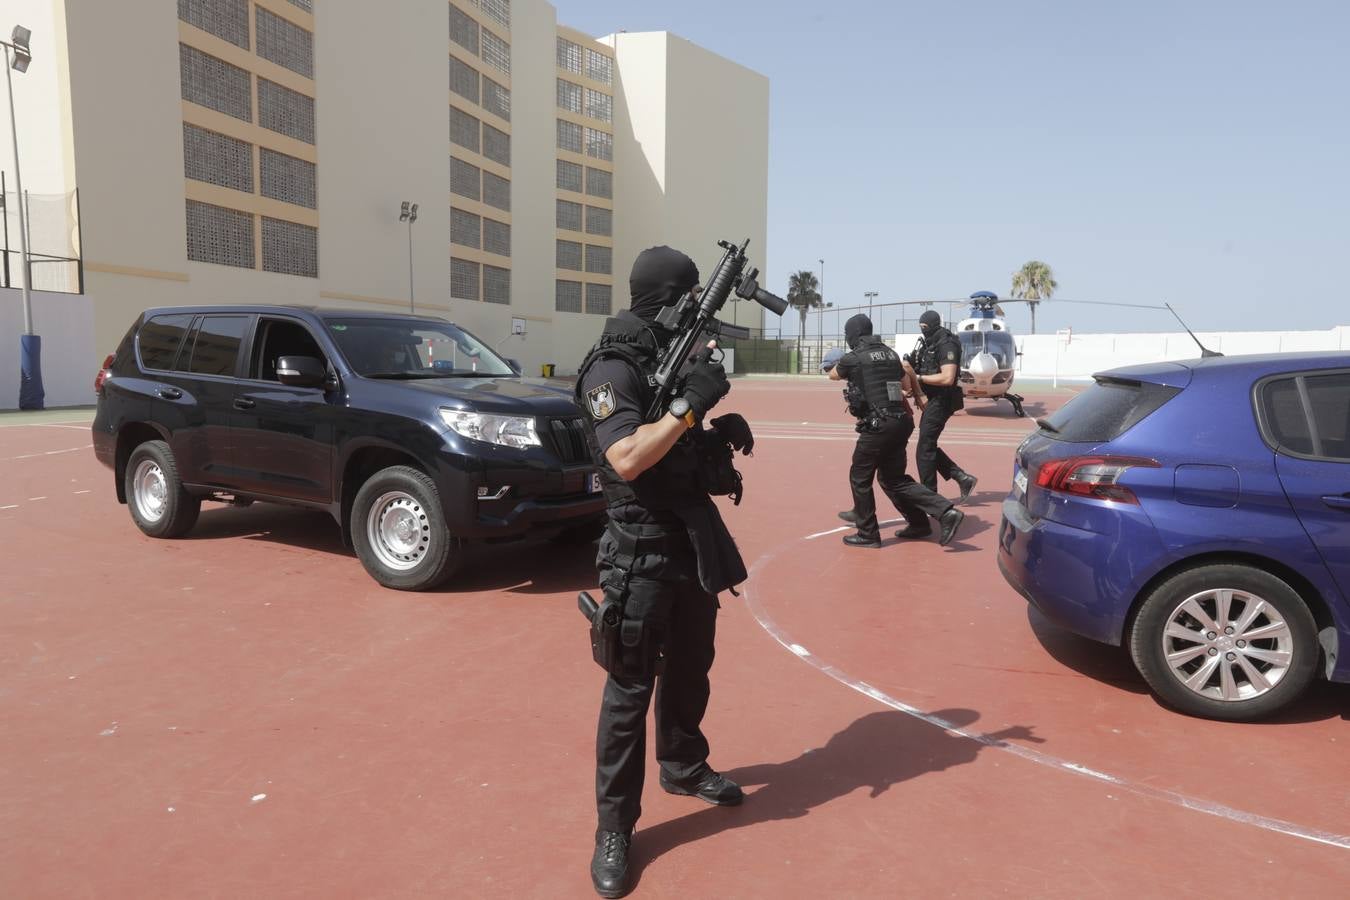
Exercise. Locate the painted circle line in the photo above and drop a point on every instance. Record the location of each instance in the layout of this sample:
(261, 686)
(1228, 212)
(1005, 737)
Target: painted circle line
(1175, 798)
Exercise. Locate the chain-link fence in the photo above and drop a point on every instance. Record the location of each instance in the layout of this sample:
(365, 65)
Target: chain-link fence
(53, 240)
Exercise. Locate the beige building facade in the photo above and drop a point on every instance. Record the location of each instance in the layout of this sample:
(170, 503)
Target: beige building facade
(258, 151)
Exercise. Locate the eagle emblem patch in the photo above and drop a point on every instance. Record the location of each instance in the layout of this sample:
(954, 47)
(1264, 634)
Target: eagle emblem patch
(601, 401)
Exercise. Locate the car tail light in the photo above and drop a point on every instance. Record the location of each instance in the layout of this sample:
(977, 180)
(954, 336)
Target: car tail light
(1096, 477)
(103, 373)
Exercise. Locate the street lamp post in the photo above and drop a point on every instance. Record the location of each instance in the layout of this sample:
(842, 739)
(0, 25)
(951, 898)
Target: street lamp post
(31, 394)
(870, 296)
(408, 213)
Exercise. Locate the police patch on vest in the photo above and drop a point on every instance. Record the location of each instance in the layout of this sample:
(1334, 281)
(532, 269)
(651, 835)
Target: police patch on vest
(601, 401)
(951, 356)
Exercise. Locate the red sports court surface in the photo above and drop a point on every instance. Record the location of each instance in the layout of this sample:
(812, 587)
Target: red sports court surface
(245, 712)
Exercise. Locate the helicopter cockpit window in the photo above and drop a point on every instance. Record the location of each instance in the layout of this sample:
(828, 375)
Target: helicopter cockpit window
(1000, 345)
(972, 344)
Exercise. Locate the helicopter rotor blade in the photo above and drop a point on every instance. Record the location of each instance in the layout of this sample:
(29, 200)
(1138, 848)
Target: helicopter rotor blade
(1087, 302)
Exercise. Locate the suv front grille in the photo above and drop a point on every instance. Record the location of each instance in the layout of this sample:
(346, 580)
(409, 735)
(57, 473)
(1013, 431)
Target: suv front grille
(569, 440)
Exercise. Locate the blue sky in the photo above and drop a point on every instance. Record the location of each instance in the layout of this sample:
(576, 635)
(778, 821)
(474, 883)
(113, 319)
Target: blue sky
(1193, 151)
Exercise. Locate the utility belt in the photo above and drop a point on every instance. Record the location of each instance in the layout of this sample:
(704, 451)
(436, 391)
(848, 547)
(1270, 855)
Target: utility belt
(627, 647)
(873, 419)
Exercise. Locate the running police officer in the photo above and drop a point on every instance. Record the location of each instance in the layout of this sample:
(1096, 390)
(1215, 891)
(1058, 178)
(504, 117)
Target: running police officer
(936, 366)
(664, 557)
(876, 397)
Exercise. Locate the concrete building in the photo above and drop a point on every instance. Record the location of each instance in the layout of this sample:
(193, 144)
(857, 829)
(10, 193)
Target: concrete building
(259, 151)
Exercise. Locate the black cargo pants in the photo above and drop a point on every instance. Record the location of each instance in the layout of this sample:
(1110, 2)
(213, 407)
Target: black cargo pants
(881, 455)
(928, 456)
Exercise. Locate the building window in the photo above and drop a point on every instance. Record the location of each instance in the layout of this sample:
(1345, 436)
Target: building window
(219, 235)
(569, 176)
(569, 136)
(285, 43)
(599, 221)
(496, 237)
(599, 66)
(290, 248)
(463, 279)
(598, 259)
(500, 10)
(215, 84)
(496, 99)
(306, 5)
(285, 111)
(496, 191)
(599, 106)
(226, 19)
(217, 159)
(496, 52)
(569, 255)
(598, 299)
(463, 30)
(569, 215)
(496, 145)
(466, 229)
(599, 144)
(287, 178)
(463, 79)
(569, 96)
(496, 284)
(567, 296)
(599, 183)
(464, 130)
(569, 58)
(464, 179)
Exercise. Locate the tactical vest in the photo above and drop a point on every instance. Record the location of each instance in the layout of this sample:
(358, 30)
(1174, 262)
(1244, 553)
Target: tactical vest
(928, 361)
(879, 377)
(671, 483)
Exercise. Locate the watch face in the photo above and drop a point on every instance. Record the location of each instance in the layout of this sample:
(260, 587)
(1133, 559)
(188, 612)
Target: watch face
(679, 407)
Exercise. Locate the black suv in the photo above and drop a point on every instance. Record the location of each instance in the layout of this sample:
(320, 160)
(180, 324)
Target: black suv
(414, 435)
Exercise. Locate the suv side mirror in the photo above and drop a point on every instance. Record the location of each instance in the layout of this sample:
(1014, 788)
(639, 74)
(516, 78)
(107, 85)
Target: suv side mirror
(515, 365)
(301, 371)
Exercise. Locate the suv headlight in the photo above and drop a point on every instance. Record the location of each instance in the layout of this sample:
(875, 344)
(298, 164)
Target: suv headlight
(507, 431)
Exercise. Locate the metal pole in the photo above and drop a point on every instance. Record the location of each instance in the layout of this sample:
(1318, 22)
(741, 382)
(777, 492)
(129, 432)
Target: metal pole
(18, 189)
(4, 219)
(412, 305)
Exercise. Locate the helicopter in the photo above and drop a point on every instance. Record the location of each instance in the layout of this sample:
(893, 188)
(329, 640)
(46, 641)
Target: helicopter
(988, 351)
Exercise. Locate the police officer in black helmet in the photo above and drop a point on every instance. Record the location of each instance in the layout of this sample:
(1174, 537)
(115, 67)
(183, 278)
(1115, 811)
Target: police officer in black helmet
(665, 554)
(876, 396)
(936, 366)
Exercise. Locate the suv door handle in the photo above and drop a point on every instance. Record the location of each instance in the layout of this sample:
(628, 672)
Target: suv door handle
(169, 393)
(244, 403)
(1337, 501)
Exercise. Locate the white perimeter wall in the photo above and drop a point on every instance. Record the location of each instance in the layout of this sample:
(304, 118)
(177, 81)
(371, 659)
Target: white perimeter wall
(69, 358)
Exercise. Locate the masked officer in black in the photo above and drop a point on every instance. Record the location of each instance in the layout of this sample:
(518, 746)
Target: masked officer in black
(876, 397)
(936, 366)
(665, 555)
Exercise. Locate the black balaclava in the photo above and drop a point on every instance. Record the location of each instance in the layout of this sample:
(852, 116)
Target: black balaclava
(856, 328)
(929, 324)
(660, 276)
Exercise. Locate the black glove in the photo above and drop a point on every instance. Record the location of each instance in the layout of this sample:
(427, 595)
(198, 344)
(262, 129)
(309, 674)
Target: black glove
(733, 429)
(704, 385)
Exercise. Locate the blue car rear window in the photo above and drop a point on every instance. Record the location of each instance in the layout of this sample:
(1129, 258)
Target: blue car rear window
(1106, 410)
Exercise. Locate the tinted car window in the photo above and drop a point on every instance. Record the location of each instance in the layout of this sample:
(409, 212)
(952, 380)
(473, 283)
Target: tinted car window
(216, 346)
(159, 340)
(1284, 415)
(277, 338)
(1329, 397)
(1107, 410)
(413, 349)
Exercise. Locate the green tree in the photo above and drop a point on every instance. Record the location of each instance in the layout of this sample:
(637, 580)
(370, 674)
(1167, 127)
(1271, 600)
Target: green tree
(1034, 282)
(803, 294)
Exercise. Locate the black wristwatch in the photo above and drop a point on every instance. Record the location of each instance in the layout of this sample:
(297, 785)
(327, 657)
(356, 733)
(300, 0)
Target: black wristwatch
(680, 409)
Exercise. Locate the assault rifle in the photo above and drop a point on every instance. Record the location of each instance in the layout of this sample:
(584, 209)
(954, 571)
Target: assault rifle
(695, 319)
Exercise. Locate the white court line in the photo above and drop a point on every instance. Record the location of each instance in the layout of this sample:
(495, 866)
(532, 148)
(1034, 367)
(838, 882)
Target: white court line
(1175, 798)
(47, 453)
(851, 438)
(85, 427)
(11, 506)
(35, 499)
(83, 492)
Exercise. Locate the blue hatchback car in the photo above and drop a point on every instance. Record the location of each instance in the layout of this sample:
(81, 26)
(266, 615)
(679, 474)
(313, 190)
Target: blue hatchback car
(1197, 513)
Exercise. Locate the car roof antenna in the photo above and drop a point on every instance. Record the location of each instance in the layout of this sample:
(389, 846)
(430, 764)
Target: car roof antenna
(1205, 352)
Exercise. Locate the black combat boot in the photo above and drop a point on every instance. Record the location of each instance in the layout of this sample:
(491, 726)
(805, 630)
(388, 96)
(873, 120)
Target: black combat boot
(609, 865)
(966, 482)
(915, 530)
(862, 540)
(710, 787)
(950, 521)
(849, 516)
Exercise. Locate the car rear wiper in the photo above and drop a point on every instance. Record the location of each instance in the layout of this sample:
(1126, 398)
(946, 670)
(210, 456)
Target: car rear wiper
(1044, 423)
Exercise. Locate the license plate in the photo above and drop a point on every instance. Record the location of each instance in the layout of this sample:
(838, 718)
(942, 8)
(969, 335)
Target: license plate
(1020, 479)
(593, 483)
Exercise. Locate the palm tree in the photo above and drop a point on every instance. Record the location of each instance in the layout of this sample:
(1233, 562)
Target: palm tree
(1034, 282)
(803, 295)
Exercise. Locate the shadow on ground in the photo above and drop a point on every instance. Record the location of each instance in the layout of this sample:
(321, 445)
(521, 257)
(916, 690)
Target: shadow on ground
(521, 567)
(875, 752)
